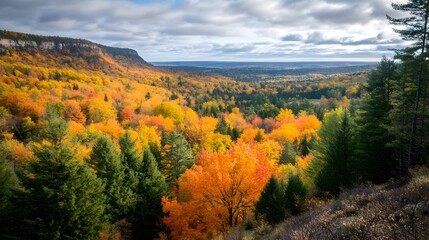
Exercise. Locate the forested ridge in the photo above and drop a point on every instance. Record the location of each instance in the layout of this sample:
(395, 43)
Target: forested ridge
(95, 144)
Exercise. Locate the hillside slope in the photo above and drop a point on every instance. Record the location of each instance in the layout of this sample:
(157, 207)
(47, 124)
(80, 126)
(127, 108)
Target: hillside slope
(88, 51)
(397, 210)
(69, 59)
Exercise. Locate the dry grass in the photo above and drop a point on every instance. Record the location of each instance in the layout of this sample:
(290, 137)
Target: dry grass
(397, 210)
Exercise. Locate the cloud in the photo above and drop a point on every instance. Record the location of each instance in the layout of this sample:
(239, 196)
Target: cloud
(233, 48)
(292, 38)
(216, 29)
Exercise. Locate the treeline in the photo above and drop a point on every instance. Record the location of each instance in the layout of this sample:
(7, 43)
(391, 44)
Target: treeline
(259, 73)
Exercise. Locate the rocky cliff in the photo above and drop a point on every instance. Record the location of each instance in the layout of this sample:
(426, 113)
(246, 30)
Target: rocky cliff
(22, 41)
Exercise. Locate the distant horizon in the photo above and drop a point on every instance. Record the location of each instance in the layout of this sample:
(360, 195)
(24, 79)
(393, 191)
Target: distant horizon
(268, 61)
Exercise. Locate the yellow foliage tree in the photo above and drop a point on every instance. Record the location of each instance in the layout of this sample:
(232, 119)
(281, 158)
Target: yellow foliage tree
(98, 111)
(272, 150)
(214, 142)
(285, 115)
(286, 132)
(170, 110)
(148, 135)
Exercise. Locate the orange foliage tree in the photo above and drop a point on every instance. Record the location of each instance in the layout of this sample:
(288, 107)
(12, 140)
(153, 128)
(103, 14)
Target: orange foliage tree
(20, 104)
(217, 193)
(73, 112)
(250, 135)
(308, 125)
(126, 113)
(111, 128)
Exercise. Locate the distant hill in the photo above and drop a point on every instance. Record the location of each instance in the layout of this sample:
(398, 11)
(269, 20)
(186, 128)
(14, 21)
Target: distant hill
(65, 60)
(271, 71)
(92, 53)
(262, 65)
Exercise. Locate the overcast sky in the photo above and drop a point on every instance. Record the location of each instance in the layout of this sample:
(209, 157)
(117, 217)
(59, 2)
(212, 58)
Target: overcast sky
(217, 30)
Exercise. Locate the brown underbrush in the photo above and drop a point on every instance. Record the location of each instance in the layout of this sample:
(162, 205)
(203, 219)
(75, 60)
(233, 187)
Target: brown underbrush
(394, 210)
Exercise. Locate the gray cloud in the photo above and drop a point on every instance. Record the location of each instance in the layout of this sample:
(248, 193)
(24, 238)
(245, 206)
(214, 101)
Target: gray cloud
(292, 38)
(216, 29)
(233, 48)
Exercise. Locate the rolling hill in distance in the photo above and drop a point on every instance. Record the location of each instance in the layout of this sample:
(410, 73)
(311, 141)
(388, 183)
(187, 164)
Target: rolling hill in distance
(260, 65)
(265, 71)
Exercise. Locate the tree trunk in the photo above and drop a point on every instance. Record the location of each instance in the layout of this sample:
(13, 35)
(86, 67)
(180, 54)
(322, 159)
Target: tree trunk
(421, 153)
(411, 155)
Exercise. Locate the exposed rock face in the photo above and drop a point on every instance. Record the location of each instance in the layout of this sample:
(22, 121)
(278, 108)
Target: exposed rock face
(9, 40)
(44, 45)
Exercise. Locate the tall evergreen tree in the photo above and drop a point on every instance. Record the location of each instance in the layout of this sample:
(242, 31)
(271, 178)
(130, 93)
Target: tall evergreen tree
(223, 127)
(152, 187)
(8, 185)
(235, 134)
(177, 156)
(305, 146)
(295, 195)
(333, 164)
(288, 154)
(400, 118)
(259, 136)
(271, 203)
(64, 198)
(106, 161)
(131, 160)
(373, 136)
(156, 152)
(415, 74)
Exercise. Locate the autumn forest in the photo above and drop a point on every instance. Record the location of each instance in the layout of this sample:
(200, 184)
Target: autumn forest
(96, 143)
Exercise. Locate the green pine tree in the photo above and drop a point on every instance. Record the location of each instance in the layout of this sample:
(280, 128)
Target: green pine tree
(131, 160)
(64, 199)
(373, 135)
(295, 195)
(9, 184)
(288, 154)
(156, 151)
(415, 28)
(333, 165)
(235, 134)
(259, 137)
(106, 161)
(305, 146)
(152, 187)
(177, 156)
(223, 127)
(271, 203)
